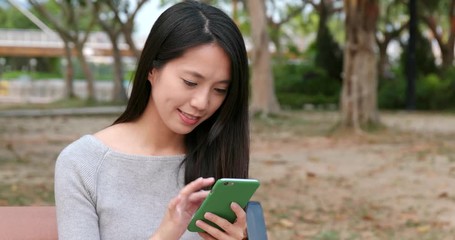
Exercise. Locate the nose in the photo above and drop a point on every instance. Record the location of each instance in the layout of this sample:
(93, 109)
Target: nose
(200, 100)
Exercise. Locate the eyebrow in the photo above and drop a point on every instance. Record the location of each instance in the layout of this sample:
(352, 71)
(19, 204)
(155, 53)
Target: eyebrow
(200, 76)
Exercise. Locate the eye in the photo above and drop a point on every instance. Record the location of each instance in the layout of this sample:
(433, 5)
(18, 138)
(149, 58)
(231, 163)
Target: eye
(221, 90)
(189, 83)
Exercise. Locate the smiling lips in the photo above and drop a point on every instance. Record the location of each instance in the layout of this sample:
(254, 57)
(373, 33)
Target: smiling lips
(188, 118)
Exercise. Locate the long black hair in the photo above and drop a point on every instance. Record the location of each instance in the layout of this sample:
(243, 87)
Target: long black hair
(218, 147)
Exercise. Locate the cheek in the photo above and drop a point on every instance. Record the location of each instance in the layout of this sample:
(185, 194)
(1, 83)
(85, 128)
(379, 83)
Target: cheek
(217, 102)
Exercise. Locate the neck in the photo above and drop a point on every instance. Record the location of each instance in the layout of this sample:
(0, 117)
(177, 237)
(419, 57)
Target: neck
(154, 136)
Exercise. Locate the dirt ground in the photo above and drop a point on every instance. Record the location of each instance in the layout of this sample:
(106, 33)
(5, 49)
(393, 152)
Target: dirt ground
(398, 183)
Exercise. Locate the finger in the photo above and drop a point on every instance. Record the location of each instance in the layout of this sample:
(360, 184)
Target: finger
(212, 231)
(196, 185)
(205, 236)
(236, 230)
(221, 222)
(198, 196)
(196, 200)
(240, 213)
(173, 203)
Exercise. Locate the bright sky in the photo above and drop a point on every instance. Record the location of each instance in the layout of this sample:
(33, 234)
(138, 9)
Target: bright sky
(146, 16)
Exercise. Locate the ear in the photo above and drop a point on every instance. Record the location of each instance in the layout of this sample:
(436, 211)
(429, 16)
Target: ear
(152, 76)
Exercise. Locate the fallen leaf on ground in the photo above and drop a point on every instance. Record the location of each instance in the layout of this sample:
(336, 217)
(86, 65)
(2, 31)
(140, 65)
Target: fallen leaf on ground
(424, 228)
(286, 223)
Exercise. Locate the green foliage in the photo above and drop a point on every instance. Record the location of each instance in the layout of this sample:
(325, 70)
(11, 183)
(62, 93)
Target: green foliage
(434, 6)
(31, 76)
(305, 24)
(425, 61)
(391, 13)
(328, 54)
(297, 84)
(16, 66)
(10, 17)
(433, 91)
(392, 93)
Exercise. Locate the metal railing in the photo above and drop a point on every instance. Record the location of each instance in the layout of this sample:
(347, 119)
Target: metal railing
(38, 38)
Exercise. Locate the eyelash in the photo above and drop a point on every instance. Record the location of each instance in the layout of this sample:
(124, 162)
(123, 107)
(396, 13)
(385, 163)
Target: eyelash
(221, 91)
(192, 84)
(189, 83)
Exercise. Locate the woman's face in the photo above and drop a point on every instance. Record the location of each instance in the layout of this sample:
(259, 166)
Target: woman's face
(188, 90)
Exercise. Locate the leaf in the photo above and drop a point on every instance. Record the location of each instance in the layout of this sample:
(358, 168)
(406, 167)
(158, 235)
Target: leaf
(443, 195)
(423, 229)
(286, 223)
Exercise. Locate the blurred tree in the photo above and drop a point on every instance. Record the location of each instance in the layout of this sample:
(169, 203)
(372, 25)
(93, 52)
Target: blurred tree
(125, 14)
(442, 26)
(411, 74)
(73, 21)
(328, 53)
(10, 17)
(358, 98)
(117, 18)
(263, 91)
(425, 59)
(279, 17)
(391, 24)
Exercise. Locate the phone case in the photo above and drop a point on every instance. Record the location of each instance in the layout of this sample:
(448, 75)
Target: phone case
(223, 193)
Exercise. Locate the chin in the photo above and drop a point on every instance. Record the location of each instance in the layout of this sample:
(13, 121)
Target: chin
(183, 130)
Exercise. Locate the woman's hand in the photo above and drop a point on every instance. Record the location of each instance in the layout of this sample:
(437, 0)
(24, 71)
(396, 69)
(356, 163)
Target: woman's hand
(181, 209)
(232, 231)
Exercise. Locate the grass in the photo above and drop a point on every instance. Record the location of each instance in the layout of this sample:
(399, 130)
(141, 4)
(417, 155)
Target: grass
(20, 194)
(327, 235)
(30, 75)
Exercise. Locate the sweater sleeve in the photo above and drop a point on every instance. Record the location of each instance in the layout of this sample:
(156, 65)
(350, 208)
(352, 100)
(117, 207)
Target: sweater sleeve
(75, 191)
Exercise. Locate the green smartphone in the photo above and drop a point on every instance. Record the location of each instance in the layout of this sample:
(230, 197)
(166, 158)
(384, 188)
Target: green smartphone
(223, 193)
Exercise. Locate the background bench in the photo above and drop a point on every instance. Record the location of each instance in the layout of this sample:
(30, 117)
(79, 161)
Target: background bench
(28, 223)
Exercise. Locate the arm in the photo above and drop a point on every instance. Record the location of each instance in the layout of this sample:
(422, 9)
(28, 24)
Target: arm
(74, 198)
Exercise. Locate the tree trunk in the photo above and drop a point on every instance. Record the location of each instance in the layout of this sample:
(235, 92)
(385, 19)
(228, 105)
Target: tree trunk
(69, 70)
(119, 93)
(263, 89)
(359, 92)
(383, 63)
(87, 73)
(447, 55)
(446, 47)
(448, 50)
(127, 30)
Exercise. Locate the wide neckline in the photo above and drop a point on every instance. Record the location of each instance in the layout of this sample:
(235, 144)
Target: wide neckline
(111, 151)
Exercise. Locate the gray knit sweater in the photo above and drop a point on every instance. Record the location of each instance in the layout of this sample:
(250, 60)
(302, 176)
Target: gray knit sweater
(104, 194)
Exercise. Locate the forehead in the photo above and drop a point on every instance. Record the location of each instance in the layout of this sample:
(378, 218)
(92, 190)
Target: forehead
(208, 61)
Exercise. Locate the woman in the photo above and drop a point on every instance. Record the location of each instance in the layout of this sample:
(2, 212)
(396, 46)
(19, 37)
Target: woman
(185, 125)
